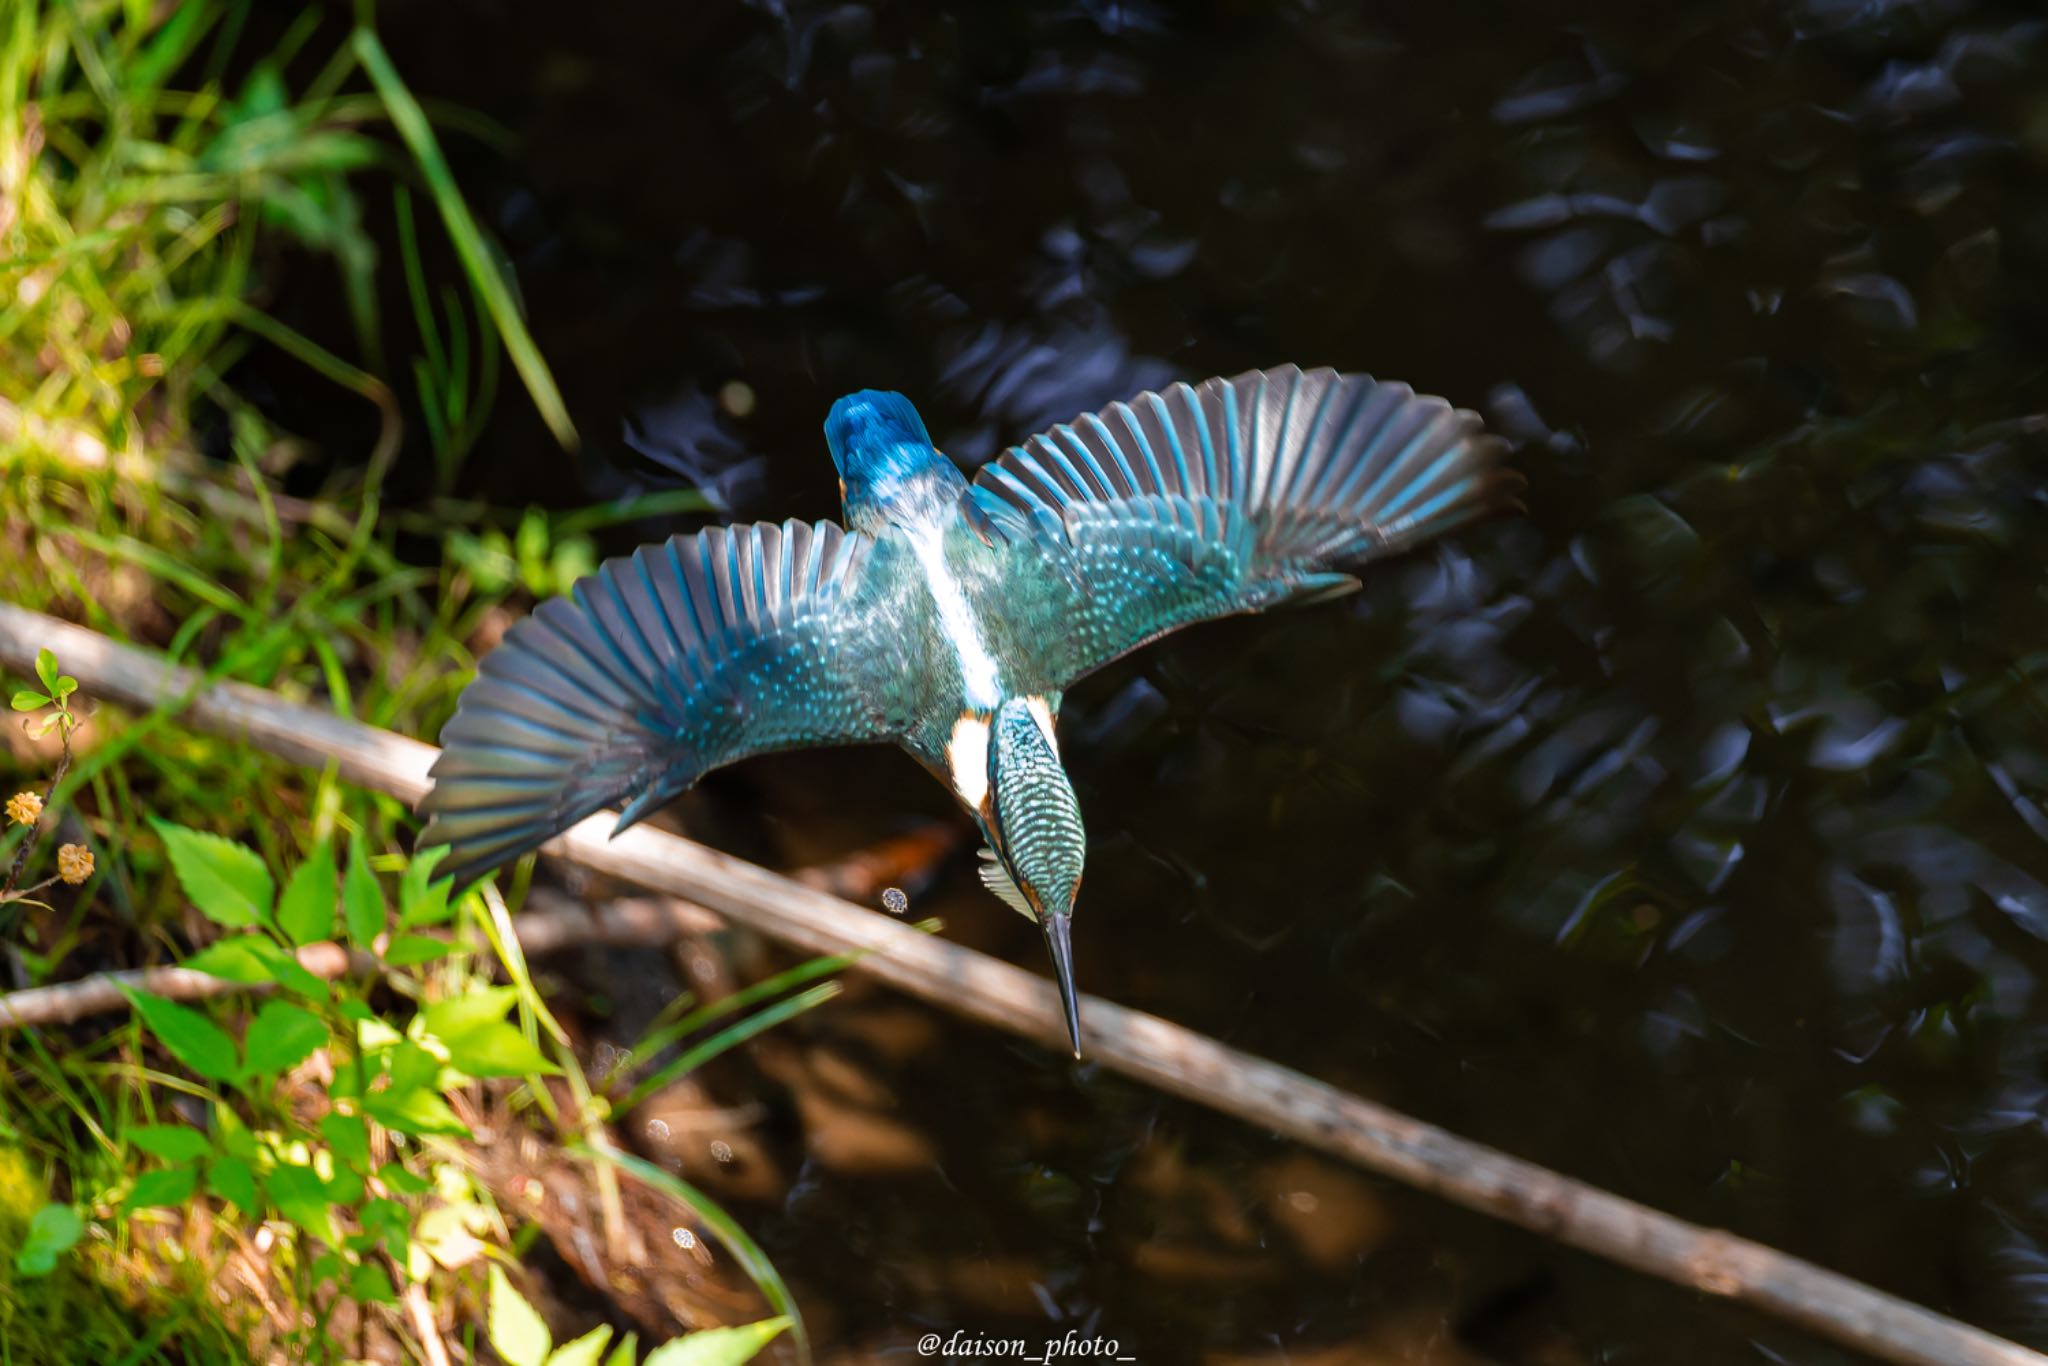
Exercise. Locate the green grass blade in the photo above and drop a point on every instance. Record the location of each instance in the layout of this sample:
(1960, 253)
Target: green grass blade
(661, 503)
(412, 125)
(737, 1033)
(665, 1033)
(721, 1225)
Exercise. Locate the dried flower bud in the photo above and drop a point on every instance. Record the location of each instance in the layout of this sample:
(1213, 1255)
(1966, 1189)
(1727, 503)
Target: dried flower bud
(24, 808)
(74, 863)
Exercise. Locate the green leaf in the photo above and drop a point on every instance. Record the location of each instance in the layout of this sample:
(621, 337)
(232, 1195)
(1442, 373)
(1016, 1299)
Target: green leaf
(454, 1016)
(368, 1284)
(301, 1196)
(192, 1038)
(288, 972)
(584, 1351)
(516, 1331)
(362, 900)
(420, 1111)
(421, 899)
(231, 960)
(46, 669)
(170, 1186)
(231, 1179)
(282, 1036)
(51, 1233)
(348, 1136)
(388, 1222)
(404, 1182)
(171, 1142)
(227, 882)
(345, 1187)
(718, 1346)
(479, 1040)
(626, 1353)
(497, 1050)
(257, 958)
(413, 1068)
(410, 950)
(233, 1135)
(29, 701)
(306, 912)
(66, 686)
(328, 1268)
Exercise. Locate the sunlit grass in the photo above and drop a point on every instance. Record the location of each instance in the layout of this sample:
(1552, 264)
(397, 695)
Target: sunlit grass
(141, 161)
(152, 171)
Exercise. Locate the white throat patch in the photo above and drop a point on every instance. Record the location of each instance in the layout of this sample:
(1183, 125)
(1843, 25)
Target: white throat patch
(980, 680)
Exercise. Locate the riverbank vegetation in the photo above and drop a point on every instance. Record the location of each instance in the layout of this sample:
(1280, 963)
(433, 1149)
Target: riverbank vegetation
(296, 1169)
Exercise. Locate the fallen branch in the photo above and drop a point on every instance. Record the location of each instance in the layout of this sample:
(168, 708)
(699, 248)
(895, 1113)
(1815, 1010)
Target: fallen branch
(100, 994)
(1176, 1060)
(550, 924)
(422, 1314)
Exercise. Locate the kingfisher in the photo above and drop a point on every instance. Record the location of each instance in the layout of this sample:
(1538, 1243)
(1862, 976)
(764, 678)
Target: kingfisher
(950, 616)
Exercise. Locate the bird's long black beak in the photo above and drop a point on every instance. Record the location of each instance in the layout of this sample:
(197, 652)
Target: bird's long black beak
(1057, 940)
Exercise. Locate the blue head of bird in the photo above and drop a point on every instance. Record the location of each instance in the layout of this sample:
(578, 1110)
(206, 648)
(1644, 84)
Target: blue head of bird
(884, 455)
(1033, 823)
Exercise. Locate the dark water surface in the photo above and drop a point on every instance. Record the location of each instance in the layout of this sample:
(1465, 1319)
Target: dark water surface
(1688, 835)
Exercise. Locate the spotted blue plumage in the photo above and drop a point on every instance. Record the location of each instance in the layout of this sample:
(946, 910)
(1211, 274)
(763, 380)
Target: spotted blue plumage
(949, 617)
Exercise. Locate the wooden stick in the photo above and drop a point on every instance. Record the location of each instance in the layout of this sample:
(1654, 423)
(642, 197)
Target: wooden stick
(100, 994)
(1176, 1060)
(421, 1311)
(551, 923)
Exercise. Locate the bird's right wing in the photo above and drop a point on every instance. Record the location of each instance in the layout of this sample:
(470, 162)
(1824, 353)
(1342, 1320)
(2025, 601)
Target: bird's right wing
(1226, 497)
(658, 668)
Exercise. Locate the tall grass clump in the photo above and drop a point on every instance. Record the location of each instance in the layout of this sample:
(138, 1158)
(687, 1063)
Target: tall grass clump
(303, 1138)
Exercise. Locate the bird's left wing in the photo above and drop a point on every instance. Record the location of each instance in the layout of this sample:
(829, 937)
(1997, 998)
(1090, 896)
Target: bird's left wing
(1224, 497)
(659, 667)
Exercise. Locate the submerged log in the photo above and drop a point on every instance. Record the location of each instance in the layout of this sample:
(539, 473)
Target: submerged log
(1165, 1055)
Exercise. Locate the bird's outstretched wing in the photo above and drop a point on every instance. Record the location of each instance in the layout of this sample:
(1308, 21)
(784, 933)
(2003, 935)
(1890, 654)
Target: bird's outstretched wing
(1225, 497)
(659, 667)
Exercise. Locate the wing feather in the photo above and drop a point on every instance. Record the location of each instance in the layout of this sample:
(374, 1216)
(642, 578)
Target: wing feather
(1229, 496)
(659, 667)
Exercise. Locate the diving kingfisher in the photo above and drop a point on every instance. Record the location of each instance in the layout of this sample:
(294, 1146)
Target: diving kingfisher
(950, 616)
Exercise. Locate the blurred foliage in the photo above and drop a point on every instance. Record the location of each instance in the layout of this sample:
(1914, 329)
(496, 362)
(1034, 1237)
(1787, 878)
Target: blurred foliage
(143, 157)
(519, 1335)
